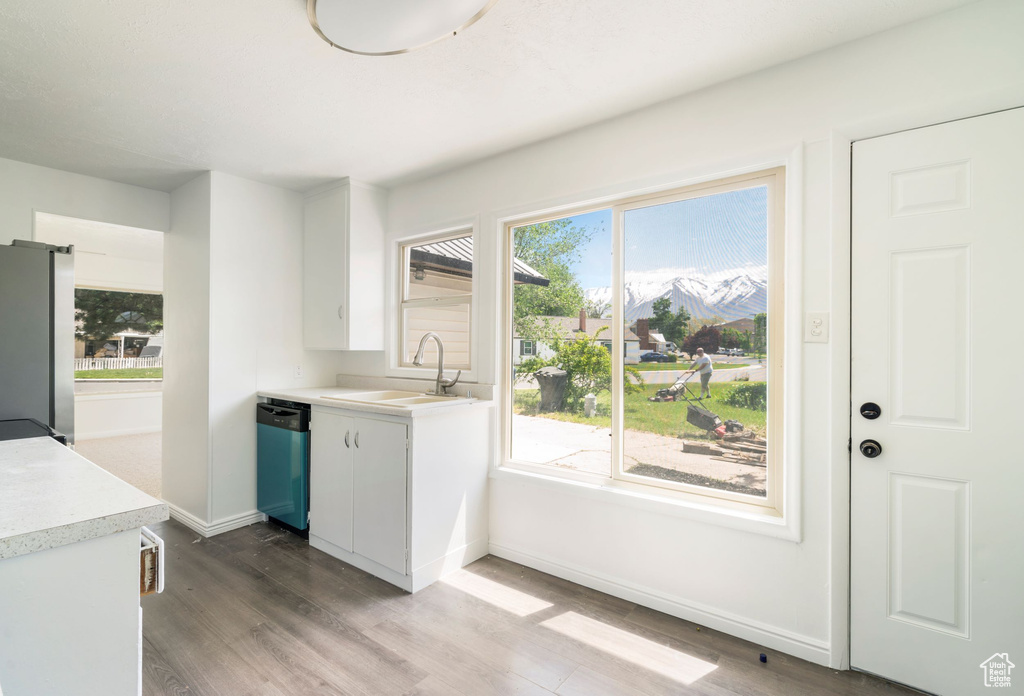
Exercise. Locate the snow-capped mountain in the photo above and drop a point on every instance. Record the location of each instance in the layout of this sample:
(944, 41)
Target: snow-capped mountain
(735, 296)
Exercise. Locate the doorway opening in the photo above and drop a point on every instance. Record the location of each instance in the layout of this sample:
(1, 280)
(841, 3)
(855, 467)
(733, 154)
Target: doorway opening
(118, 352)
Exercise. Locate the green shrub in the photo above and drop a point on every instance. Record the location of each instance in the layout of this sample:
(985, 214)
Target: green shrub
(589, 368)
(752, 395)
(671, 358)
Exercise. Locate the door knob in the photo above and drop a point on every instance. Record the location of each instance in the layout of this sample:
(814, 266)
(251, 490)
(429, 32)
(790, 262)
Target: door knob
(870, 410)
(870, 449)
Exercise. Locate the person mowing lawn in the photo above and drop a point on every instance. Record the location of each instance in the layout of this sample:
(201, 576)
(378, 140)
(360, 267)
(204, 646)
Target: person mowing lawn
(703, 365)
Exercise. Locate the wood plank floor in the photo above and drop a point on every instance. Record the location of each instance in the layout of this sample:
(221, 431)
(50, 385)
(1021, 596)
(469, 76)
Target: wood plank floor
(257, 611)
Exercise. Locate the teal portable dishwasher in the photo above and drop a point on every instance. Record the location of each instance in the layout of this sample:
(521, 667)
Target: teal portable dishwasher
(282, 463)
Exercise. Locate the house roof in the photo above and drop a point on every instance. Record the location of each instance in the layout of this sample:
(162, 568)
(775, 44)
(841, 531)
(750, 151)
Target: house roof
(455, 257)
(656, 337)
(568, 327)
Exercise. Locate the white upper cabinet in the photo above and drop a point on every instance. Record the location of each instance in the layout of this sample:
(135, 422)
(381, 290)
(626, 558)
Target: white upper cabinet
(343, 278)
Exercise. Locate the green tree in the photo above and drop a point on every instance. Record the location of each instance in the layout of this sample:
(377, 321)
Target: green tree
(732, 338)
(103, 313)
(673, 326)
(552, 249)
(588, 366)
(759, 339)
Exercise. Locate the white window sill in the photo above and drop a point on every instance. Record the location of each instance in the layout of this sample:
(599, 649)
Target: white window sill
(706, 510)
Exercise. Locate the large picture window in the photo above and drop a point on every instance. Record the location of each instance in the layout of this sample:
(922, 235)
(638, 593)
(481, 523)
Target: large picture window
(656, 341)
(437, 295)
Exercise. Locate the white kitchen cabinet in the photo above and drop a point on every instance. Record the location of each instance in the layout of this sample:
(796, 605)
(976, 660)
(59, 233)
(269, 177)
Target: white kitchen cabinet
(408, 503)
(331, 463)
(343, 273)
(380, 504)
(359, 486)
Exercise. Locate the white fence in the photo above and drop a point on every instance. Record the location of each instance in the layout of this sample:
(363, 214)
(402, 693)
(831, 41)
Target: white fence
(116, 363)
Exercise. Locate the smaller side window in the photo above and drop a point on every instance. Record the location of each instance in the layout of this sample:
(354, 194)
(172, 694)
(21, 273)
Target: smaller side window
(526, 347)
(437, 296)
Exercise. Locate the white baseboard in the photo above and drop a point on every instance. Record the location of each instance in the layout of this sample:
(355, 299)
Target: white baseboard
(429, 573)
(425, 575)
(225, 524)
(362, 563)
(807, 648)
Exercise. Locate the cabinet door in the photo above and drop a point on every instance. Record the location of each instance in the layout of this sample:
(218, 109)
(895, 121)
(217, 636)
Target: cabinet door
(380, 493)
(325, 270)
(330, 481)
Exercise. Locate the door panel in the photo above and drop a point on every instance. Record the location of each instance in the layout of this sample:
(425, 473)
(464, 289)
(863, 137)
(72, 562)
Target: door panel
(330, 478)
(381, 493)
(928, 550)
(936, 518)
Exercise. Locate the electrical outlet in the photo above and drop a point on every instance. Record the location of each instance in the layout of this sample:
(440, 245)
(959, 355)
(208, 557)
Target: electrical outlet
(298, 372)
(816, 327)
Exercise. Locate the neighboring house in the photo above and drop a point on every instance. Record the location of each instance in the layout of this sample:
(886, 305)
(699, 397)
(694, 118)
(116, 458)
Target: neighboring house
(443, 272)
(126, 344)
(571, 328)
(650, 340)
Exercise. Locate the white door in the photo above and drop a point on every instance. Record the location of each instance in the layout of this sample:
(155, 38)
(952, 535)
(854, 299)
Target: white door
(381, 499)
(330, 477)
(937, 518)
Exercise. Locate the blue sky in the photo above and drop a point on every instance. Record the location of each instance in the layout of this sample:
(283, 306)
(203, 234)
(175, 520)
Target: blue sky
(709, 235)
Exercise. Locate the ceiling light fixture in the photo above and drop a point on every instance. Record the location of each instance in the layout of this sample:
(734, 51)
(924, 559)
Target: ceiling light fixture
(387, 27)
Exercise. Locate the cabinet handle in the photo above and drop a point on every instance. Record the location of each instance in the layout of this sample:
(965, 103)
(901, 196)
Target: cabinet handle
(341, 311)
(357, 438)
(346, 438)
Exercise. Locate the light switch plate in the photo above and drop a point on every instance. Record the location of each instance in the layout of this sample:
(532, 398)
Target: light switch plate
(816, 327)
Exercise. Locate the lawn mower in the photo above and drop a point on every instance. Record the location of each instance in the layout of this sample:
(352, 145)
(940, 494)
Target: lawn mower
(696, 414)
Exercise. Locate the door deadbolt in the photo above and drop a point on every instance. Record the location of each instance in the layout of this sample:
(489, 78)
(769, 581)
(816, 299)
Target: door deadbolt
(870, 410)
(870, 448)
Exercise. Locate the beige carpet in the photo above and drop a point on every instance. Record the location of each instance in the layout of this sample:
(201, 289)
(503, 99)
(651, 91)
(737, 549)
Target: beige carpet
(132, 458)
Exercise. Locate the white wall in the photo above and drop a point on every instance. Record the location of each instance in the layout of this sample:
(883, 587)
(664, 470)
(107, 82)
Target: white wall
(27, 188)
(107, 257)
(233, 276)
(186, 386)
(784, 594)
(255, 326)
(118, 413)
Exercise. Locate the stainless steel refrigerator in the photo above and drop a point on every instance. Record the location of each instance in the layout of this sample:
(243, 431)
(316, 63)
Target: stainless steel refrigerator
(37, 334)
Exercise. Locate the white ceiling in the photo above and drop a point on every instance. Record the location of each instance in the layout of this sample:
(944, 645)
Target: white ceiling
(151, 93)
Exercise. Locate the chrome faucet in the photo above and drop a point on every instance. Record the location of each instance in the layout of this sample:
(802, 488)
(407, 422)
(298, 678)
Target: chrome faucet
(442, 383)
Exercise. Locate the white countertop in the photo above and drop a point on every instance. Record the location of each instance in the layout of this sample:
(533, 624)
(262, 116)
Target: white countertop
(315, 395)
(50, 496)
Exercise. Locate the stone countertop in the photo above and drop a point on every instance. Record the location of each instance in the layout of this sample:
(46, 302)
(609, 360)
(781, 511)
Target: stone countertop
(50, 496)
(315, 396)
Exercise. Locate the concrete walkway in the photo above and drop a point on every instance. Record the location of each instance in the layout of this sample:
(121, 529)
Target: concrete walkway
(588, 448)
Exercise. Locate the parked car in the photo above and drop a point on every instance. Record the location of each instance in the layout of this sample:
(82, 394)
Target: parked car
(655, 357)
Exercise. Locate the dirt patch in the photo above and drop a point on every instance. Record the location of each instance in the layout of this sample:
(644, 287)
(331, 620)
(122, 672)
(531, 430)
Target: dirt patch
(660, 472)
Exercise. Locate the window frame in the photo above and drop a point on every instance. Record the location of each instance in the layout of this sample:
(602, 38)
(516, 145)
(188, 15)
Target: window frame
(398, 366)
(771, 505)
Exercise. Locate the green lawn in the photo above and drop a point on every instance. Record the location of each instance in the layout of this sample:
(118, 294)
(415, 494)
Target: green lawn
(127, 373)
(684, 365)
(664, 418)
